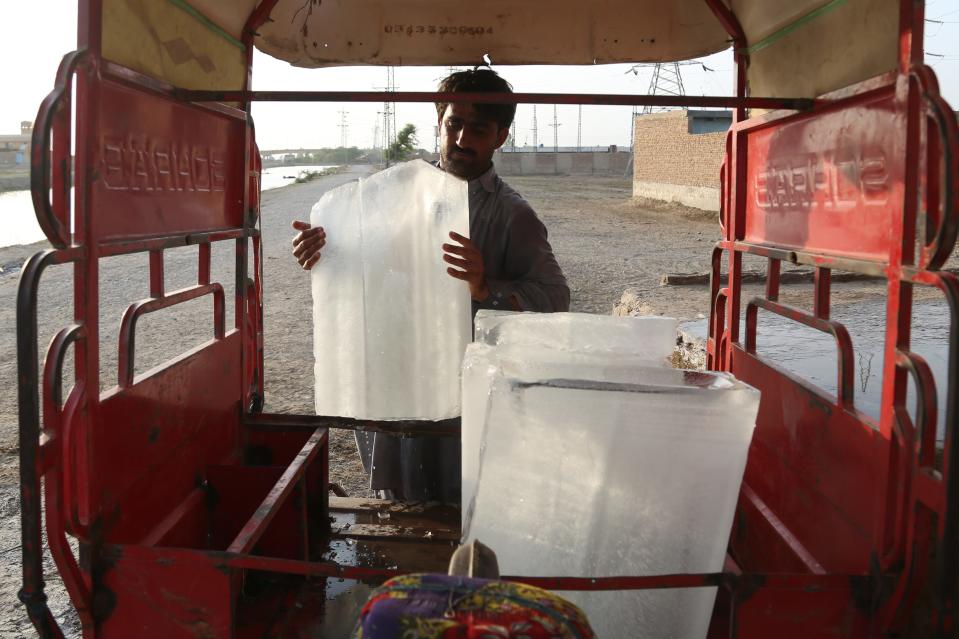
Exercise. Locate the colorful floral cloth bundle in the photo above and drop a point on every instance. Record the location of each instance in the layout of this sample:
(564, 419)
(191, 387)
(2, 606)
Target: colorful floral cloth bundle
(450, 607)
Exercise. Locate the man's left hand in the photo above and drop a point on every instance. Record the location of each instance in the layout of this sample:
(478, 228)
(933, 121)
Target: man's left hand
(469, 265)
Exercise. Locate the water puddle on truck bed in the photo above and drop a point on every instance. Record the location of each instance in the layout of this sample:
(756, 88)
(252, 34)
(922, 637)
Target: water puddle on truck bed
(366, 534)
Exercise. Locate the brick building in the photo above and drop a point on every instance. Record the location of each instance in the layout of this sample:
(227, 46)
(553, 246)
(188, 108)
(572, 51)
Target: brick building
(677, 155)
(15, 149)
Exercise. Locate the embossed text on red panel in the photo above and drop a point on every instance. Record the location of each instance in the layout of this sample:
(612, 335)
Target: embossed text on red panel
(164, 167)
(828, 184)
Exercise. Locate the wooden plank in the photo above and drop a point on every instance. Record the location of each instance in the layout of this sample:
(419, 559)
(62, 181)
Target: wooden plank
(396, 531)
(356, 504)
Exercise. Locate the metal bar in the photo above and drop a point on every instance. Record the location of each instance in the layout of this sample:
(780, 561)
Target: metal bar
(55, 445)
(821, 288)
(772, 279)
(255, 20)
(266, 511)
(898, 314)
(795, 104)
(169, 522)
(730, 23)
(947, 568)
(728, 20)
(782, 581)
(53, 373)
(720, 340)
(112, 71)
(282, 422)
(28, 414)
(125, 247)
(926, 405)
(942, 181)
(56, 230)
(156, 273)
(930, 489)
(866, 267)
(62, 160)
(203, 265)
(845, 371)
(716, 314)
(127, 338)
(786, 535)
(800, 582)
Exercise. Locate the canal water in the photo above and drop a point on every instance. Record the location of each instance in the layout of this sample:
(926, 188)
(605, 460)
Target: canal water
(19, 223)
(812, 355)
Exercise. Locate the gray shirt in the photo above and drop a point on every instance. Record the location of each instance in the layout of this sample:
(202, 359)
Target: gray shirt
(517, 256)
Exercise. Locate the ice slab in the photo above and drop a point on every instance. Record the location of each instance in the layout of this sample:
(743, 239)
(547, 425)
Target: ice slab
(648, 337)
(587, 478)
(389, 324)
(483, 364)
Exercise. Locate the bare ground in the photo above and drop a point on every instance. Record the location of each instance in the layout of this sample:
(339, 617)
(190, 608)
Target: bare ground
(604, 242)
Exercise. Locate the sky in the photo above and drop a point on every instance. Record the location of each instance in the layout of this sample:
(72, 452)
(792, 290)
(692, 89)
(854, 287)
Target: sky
(30, 58)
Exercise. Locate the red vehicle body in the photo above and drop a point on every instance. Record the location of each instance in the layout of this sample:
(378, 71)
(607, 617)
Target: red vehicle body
(198, 515)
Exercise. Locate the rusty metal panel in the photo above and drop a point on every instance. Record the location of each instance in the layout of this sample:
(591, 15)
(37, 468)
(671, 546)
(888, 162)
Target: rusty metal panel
(811, 464)
(166, 592)
(811, 613)
(164, 167)
(178, 420)
(812, 178)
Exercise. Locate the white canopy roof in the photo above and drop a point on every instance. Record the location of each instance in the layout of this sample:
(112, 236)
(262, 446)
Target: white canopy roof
(796, 47)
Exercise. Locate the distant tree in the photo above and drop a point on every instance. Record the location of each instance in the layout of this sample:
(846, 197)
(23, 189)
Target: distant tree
(404, 145)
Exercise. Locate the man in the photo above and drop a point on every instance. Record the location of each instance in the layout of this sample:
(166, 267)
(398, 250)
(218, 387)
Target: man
(507, 262)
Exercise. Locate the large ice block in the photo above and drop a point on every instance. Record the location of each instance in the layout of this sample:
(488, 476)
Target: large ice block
(483, 363)
(587, 478)
(649, 337)
(389, 324)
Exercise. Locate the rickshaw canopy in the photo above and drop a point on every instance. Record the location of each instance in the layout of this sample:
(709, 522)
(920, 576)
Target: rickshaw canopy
(798, 48)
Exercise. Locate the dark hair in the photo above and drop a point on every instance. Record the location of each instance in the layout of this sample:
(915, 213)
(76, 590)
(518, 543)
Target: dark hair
(479, 80)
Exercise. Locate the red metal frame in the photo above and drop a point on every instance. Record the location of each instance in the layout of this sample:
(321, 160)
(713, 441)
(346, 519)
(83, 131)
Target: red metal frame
(825, 485)
(705, 101)
(838, 517)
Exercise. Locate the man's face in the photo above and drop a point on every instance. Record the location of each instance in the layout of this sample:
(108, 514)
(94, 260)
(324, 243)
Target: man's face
(467, 141)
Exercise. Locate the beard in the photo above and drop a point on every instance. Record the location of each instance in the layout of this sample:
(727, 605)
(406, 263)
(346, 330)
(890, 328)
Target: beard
(462, 163)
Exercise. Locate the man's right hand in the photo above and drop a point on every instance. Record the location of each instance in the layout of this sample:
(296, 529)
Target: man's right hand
(307, 243)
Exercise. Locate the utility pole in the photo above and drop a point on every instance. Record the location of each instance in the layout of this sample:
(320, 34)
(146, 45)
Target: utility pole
(666, 80)
(344, 128)
(555, 126)
(535, 132)
(579, 128)
(512, 135)
(389, 114)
